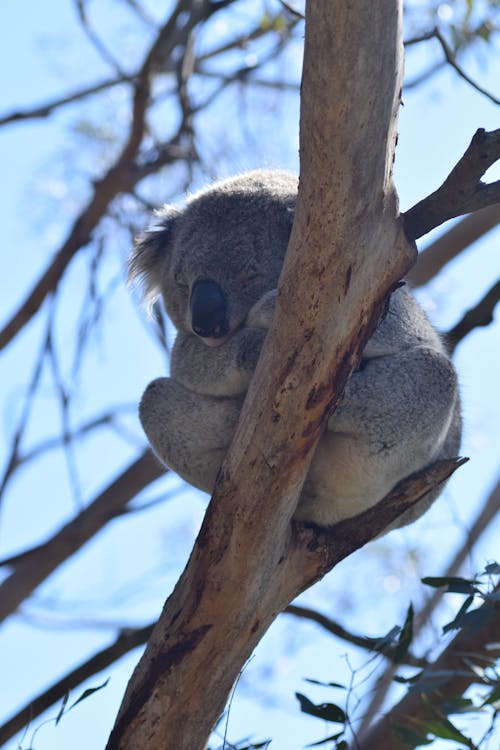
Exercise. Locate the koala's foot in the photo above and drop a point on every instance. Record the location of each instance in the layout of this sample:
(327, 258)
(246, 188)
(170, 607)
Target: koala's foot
(188, 432)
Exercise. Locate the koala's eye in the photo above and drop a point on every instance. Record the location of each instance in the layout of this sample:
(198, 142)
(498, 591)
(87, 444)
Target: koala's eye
(246, 278)
(179, 279)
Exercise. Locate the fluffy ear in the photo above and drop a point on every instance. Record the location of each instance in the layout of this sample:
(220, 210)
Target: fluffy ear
(151, 251)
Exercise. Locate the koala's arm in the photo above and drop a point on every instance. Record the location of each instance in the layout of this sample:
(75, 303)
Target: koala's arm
(224, 370)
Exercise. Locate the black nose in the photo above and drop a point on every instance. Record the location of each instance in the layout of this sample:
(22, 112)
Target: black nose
(208, 310)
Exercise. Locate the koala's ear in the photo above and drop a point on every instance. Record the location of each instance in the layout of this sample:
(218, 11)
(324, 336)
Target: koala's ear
(151, 251)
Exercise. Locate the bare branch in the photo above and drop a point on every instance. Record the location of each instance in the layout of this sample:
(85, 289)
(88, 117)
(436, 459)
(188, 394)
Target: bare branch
(451, 60)
(121, 176)
(362, 641)
(32, 568)
(462, 191)
(94, 39)
(44, 110)
(130, 638)
(127, 640)
(477, 317)
(461, 235)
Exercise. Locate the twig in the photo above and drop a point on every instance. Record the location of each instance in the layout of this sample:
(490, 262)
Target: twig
(120, 177)
(44, 110)
(478, 316)
(92, 36)
(462, 191)
(363, 641)
(34, 567)
(450, 244)
(127, 640)
(451, 60)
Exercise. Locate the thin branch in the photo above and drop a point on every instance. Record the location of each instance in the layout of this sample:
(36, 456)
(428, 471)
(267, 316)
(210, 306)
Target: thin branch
(49, 444)
(13, 459)
(450, 244)
(120, 176)
(94, 39)
(462, 191)
(477, 317)
(140, 11)
(362, 641)
(451, 60)
(127, 640)
(32, 568)
(44, 110)
(424, 75)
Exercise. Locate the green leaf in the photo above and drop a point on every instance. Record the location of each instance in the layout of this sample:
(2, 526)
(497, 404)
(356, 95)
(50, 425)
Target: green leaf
(457, 705)
(492, 569)
(87, 693)
(61, 710)
(410, 738)
(444, 729)
(325, 711)
(493, 698)
(386, 640)
(436, 680)
(408, 680)
(475, 620)
(332, 738)
(455, 584)
(457, 622)
(325, 684)
(405, 636)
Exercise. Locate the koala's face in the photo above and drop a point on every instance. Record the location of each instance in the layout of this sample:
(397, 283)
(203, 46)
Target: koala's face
(212, 261)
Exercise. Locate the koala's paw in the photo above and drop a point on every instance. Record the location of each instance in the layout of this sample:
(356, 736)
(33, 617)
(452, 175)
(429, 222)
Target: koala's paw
(249, 346)
(262, 313)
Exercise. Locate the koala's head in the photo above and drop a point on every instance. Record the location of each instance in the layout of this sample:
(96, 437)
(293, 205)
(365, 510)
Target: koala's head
(212, 260)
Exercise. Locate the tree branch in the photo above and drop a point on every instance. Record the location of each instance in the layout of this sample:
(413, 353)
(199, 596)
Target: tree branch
(127, 640)
(44, 110)
(130, 638)
(362, 641)
(462, 191)
(458, 238)
(121, 176)
(33, 567)
(477, 317)
(451, 60)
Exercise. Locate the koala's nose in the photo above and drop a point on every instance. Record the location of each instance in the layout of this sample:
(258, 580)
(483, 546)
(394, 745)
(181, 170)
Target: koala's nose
(208, 309)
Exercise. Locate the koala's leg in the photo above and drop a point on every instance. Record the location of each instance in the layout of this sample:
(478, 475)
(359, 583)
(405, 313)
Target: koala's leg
(190, 433)
(398, 414)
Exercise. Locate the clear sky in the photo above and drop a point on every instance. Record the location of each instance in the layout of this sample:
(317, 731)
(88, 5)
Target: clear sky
(137, 561)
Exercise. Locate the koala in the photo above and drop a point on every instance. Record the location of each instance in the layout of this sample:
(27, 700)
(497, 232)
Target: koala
(216, 264)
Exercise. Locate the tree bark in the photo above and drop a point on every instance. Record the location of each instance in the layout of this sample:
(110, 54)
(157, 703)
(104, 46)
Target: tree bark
(347, 251)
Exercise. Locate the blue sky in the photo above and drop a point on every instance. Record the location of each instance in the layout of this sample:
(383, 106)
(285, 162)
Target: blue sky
(137, 561)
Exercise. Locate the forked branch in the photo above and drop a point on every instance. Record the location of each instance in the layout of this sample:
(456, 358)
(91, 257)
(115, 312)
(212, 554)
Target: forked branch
(463, 191)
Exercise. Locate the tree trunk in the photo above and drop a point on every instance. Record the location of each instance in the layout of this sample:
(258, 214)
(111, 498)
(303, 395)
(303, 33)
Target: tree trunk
(347, 251)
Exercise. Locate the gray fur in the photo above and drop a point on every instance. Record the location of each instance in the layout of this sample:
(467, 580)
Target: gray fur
(400, 410)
